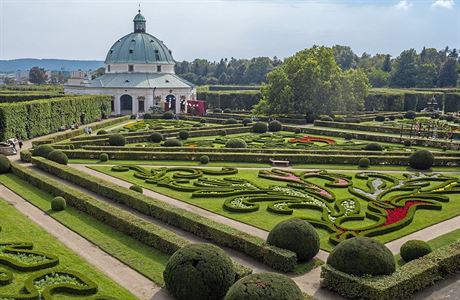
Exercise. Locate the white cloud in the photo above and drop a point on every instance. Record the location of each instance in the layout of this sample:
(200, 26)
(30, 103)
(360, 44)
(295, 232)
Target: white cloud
(449, 4)
(403, 5)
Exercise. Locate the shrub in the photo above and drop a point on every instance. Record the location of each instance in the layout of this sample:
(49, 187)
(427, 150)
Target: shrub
(235, 143)
(266, 286)
(298, 130)
(260, 127)
(204, 159)
(296, 235)
(410, 114)
(326, 119)
(58, 204)
(59, 157)
(246, 121)
(148, 116)
(275, 126)
(183, 135)
(348, 136)
(414, 249)
(202, 120)
(222, 132)
(392, 118)
(117, 140)
(421, 160)
(101, 132)
(227, 110)
(373, 147)
(217, 110)
(104, 157)
(172, 143)
(364, 162)
(136, 188)
(5, 164)
(407, 143)
(380, 118)
(339, 119)
(26, 156)
(169, 115)
(362, 256)
(199, 272)
(43, 150)
(156, 137)
(231, 121)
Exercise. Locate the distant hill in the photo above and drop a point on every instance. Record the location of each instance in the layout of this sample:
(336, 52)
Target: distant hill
(49, 64)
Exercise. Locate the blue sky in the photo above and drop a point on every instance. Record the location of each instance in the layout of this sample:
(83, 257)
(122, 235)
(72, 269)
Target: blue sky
(213, 29)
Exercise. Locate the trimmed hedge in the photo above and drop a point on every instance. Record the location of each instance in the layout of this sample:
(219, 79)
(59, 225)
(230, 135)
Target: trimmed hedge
(402, 284)
(156, 137)
(275, 126)
(117, 140)
(172, 143)
(26, 156)
(362, 256)
(199, 272)
(279, 259)
(204, 159)
(43, 150)
(296, 235)
(59, 157)
(183, 135)
(58, 204)
(260, 127)
(421, 160)
(136, 188)
(265, 286)
(40, 117)
(414, 249)
(364, 162)
(104, 157)
(236, 143)
(5, 164)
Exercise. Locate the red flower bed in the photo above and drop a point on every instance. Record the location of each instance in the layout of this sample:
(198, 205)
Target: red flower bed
(399, 213)
(311, 139)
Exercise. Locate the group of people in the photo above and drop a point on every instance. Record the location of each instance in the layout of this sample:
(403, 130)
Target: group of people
(16, 143)
(88, 130)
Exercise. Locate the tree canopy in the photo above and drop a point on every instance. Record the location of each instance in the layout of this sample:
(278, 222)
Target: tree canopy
(311, 82)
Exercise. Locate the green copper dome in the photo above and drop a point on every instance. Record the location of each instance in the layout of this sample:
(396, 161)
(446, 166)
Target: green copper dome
(139, 47)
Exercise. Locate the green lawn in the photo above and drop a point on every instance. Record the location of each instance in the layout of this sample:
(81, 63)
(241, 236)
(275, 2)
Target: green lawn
(18, 228)
(266, 220)
(147, 261)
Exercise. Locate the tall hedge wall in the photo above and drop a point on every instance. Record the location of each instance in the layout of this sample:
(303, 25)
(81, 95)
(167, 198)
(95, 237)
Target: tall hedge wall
(244, 100)
(17, 97)
(40, 117)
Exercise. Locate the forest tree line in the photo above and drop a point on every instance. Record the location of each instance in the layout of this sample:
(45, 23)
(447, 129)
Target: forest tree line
(428, 69)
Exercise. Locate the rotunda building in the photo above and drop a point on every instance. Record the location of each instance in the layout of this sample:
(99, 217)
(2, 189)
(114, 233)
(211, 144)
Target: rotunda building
(139, 75)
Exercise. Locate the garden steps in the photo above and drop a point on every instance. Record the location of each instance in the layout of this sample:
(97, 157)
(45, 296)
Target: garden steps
(137, 284)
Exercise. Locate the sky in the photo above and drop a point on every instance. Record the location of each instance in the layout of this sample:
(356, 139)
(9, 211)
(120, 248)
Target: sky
(212, 29)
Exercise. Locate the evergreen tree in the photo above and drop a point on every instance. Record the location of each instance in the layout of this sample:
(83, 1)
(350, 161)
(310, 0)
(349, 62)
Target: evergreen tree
(448, 74)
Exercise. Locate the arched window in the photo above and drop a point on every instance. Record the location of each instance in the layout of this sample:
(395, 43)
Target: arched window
(126, 104)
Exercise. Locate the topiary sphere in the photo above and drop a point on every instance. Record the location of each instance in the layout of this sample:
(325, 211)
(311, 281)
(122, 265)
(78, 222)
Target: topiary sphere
(58, 204)
(199, 272)
(172, 143)
(100, 132)
(373, 147)
(117, 140)
(392, 118)
(156, 137)
(380, 118)
(59, 157)
(43, 150)
(5, 164)
(348, 136)
(104, 157)
(227, 110)
(231, 121)
(183, 135)
(364, 162)
(235, 143)
(421, 160)
(260, 127)
(222, 132)
(298, 130)
(296, 235)
(168, 115)
(136, 188)
(362, 256)
(217, 110)
(410, 114)
(265, 286)
(202, 120)
(326, 119)
(275, 126)
(407, 143)
(246, 121)
(414, 249)
(204, 159)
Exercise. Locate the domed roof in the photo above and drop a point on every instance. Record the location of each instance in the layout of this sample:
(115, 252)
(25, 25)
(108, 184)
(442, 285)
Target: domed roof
(139, 47)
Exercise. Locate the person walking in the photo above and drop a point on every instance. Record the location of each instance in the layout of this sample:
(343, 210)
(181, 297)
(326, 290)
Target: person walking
(20, 143)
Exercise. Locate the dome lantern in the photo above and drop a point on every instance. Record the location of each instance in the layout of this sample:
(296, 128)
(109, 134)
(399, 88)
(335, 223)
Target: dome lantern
(139, 22)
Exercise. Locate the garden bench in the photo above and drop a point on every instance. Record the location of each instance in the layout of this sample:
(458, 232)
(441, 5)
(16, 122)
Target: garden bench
(284, 163)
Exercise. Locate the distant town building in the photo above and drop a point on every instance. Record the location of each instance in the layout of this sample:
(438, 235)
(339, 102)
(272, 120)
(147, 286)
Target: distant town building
(21, 76)
(139, 74)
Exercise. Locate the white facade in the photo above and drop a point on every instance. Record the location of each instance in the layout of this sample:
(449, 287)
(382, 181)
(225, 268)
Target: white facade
(139, 75)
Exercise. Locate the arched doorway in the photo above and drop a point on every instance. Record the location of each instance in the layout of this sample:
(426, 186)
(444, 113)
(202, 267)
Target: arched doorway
(126, 105)
(170, 103)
